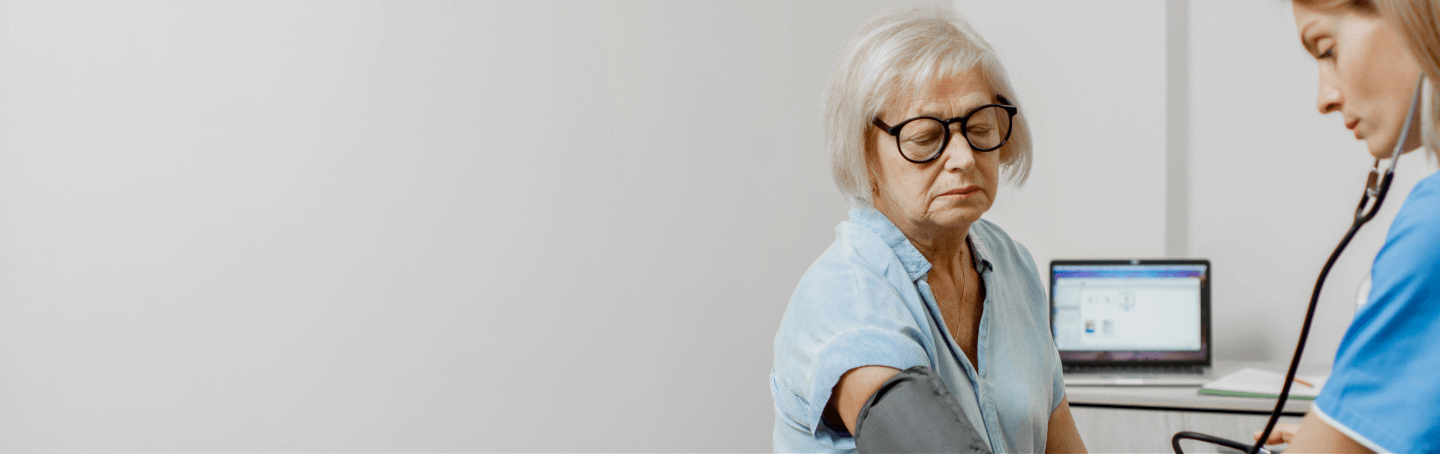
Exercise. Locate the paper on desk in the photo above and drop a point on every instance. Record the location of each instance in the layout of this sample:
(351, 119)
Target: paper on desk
(1257, 383)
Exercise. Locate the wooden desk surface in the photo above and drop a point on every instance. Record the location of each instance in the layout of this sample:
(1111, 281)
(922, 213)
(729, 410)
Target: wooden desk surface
(1189, 398)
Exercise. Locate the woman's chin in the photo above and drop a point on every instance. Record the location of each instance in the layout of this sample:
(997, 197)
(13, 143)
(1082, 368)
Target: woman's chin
(955, 218)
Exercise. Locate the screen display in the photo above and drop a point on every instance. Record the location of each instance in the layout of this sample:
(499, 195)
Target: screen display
(1127, 308)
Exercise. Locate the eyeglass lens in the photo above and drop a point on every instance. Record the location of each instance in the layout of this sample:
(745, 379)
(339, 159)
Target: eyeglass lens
(921, 139)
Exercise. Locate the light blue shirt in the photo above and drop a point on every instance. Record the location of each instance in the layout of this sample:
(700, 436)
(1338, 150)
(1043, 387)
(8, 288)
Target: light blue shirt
(1384, 390)
(866, 301)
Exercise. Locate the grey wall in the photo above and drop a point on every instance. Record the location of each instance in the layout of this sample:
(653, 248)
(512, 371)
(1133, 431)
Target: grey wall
(405, 226)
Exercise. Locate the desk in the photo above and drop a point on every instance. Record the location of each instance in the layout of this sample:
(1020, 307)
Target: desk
(1142, 419)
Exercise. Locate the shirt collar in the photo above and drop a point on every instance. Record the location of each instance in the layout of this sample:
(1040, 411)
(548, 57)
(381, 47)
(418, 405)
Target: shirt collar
(915, 263)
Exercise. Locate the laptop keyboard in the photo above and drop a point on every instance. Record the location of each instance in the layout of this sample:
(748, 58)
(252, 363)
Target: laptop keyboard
(1135, 369)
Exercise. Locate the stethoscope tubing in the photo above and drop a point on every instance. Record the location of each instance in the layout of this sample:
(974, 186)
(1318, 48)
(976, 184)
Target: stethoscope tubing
(1362, 216)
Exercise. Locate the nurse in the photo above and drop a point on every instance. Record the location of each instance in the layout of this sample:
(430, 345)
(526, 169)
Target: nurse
(1383, 394)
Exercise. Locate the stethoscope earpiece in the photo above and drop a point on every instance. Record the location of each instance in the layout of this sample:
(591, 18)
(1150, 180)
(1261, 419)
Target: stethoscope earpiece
(1372, 182)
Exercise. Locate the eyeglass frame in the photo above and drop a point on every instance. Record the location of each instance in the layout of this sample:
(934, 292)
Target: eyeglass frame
(962, 120)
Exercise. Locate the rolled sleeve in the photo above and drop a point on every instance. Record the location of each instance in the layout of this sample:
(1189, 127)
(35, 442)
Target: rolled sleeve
(1059, 380)
(856, 348)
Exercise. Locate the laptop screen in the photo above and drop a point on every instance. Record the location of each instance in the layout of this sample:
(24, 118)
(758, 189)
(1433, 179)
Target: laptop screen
(1127, 311)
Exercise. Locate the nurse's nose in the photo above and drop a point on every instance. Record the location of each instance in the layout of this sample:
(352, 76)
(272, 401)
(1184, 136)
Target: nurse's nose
(1328, 99)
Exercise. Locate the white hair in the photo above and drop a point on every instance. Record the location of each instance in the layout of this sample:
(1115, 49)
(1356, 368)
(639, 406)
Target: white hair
(895, 54)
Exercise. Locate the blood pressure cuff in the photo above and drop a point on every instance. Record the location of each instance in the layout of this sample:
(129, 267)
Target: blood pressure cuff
(914, 412)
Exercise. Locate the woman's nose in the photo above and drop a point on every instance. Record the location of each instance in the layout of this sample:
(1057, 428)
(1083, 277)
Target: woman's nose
(958, 155)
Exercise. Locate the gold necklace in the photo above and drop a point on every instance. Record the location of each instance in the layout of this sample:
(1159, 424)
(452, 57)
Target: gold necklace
(960, 299)
(965, 282)
(964, 285)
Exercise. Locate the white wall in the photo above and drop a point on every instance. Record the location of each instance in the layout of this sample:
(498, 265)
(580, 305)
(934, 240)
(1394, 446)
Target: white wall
(405, 226)
(1091, 79)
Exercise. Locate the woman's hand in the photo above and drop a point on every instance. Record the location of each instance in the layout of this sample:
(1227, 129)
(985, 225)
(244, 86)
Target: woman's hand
(1282, 434)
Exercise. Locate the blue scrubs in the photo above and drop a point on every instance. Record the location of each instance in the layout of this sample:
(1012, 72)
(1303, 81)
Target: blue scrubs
(1384, 391)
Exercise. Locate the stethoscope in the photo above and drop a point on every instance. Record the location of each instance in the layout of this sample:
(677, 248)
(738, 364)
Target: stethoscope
(1376, 187)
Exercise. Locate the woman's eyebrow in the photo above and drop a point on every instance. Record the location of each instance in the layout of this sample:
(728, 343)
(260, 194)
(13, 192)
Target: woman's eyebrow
(937, 110)
(966, 109)
(928, 110)
(1306, 39)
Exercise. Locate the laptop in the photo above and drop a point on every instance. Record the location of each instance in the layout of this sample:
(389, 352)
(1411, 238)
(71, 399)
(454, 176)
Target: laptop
(1135, 322)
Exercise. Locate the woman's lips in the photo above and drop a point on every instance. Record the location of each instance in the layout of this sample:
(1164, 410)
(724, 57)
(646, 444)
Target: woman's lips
(1351, 125)
(961, 192)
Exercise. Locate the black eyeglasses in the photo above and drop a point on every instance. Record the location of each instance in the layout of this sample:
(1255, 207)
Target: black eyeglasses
(922, 139)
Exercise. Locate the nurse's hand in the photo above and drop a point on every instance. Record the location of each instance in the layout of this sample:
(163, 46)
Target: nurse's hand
(1282, 434)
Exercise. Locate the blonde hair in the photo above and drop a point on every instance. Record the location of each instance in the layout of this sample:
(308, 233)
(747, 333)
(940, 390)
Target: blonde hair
(1363, 6)
(1418, 21)
(898, 53)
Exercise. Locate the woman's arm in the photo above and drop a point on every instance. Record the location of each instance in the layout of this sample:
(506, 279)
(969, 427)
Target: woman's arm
(1062, 436)
(912, 411)
(854, 389)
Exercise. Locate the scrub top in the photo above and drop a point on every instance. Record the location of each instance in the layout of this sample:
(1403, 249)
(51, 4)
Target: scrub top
(866, 301)
(1384, 390)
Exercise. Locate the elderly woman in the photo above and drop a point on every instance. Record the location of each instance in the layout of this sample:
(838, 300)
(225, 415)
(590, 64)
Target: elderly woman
(921, 121)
